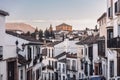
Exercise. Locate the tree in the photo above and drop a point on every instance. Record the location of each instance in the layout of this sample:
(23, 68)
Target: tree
(28, 33)
(40, 34)
(35, 33)
(51, 32)
(46, 33)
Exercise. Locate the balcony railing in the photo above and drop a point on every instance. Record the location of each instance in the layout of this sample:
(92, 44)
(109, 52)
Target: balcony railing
(73, 68)
(113, 43)
(50, 67)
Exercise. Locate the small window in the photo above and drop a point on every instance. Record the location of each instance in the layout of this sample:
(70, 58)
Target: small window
(79, 75)
(85, 51)
(52, 53)
(1, 50)
(49, 75)
(111, 68)
(49, 52)
(49, 62)
(82, 51)
(21, 74)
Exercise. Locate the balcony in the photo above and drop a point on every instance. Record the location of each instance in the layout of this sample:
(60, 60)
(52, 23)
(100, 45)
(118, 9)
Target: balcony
(74, 68)
(50, 67)
(114, 43)
(68, 67)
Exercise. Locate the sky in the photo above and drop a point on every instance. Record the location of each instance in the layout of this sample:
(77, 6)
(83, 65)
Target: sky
(41, 13)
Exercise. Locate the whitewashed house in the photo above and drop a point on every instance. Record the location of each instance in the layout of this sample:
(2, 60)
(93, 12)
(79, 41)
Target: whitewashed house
(28, 54)
(49, 61)
(15, 52)
(90, 61)
(67, 66)
(8, 60)
(113, 40)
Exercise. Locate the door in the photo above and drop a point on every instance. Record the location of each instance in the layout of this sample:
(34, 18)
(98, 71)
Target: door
(11, 70)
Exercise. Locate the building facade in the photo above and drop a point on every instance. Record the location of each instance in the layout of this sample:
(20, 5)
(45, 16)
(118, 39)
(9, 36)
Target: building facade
(64, 27)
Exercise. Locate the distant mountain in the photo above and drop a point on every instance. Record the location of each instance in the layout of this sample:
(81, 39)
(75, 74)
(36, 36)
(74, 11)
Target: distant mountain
(19, 27)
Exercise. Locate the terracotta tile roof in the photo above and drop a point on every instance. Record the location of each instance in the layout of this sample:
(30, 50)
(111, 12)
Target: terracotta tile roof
(4, 13)
(22, 36)
(89, 40)
(44, 52)
(64, 24)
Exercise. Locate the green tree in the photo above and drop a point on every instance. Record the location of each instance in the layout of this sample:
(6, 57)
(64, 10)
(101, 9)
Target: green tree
(46, 33)
(35, 33)
(40, 34)
(51, 32)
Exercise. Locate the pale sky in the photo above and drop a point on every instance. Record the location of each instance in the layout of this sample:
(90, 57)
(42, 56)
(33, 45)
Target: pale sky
(41, 13)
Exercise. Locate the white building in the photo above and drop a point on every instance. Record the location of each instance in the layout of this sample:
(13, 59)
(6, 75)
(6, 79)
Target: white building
(113, 33)
(20, 57)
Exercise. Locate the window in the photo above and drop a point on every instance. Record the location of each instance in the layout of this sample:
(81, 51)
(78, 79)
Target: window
(79, 75)
(90, 53)
(101, 48)
(63, 68)
(117, 7)
(81, 64)
(52, 63)
(110, 12)
(21, 74)
(40, 71)
(29, 53)
(1, 77)
(111, 68)
(55, 64)
(63, 77)
(37, 74)
(91, 69)
(37, 51)
(52, 53)
(49, 62)
(85, 51)
(68, 64)
(82, 51)
(49, 52)
(49, 75)
(1, 50)
(52, 76)
(119, 30)
(109, 34)
(73, 65)
(59, 67)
